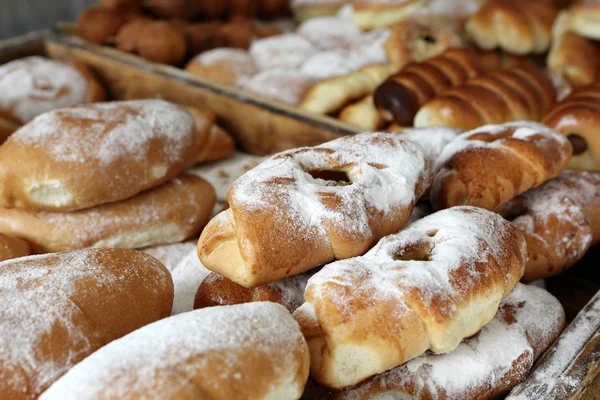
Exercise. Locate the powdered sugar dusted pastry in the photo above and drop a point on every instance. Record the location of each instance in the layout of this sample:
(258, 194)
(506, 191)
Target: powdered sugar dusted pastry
(74, 303)
(482, 367)
(329, 33)
(308, 9)
(79, 157)
(315, 204)
(488, 166)
(370, 48)
(169, 213)
(223, 65)
(287, 86)
(427, 287)
(248, 351)
(34, 85)
(281, 51)
(369, 14)
(331, 63)
(187, 275)
(12, 247)
(560, 221)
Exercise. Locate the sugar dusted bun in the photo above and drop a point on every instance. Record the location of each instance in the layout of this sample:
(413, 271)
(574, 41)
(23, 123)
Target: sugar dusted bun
(170, 213)
(83, 156)
(12, 247)
(223, 65)
(34, 85)
(58, 309)
(247, 351)
(427, 287)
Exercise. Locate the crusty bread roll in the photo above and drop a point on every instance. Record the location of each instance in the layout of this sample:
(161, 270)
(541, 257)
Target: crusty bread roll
(172, 212)
(370, 14)
(520, 27)
(400, 96)
(212, 141)
(578, 118)
(57, 309)
(513, 94)
(305, 207)
(223, 65)
(34, 85)
(83, 156)
(99, 25)
(488, 166)
(584, 19)
(12, 247)
(482, 367)
(560, 221)
(247, 351)
(363, 114)
(217, 290)
(426, 288)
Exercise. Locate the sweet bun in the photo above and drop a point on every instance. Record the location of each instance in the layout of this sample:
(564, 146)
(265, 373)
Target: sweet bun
(223, 65)
(75, 303)
(169, 213)
(100, 25)
(212, 142)
(249, 351)
(68, 159)
(34, 85)
(12, 247)
(362, 114)
(285, 85)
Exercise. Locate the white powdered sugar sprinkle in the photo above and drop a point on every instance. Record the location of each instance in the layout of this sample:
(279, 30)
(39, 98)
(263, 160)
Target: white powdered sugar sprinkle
(286, 51)
(286, 85)
(327, 33)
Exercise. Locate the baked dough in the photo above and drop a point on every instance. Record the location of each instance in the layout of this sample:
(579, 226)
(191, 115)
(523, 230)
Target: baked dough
(12, 247)
(223, 65)
(370, 14)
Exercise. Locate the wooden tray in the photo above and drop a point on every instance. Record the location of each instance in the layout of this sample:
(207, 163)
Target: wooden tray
(571, 367)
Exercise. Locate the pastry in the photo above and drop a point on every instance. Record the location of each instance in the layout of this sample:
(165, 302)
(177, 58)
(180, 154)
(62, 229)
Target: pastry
(421, 37)
(34, 85)
(329, 33)
(362, 114)
(427, 287)
(400, 96)
(100, 25)
(79, 157)
(281, 52)
(578, 118)
(169, 213)
(482, 367)
(213, 142)
(584, 19)
(74, 303)
(308, 9)
(490, 165)
(239, 33)
(12, 247)
(285, 85)
(370, 14)
(576, 58)
(560, 221)
(223, 65)
(305, 207)
(459, 10)
(433, 139)
(328, 64)
(247, 351)
(217, 290)
(332, 94)
(520, 27)
(513, 94)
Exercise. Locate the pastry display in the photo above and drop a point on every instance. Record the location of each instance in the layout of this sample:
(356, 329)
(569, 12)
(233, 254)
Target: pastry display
(198, 355)
(578, 118)
(75, 303)
(425, 288)
(490, 165)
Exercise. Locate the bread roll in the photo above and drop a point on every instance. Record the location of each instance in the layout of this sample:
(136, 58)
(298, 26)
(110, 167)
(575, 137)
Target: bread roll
(560, 221)
(426, 288)
(492, 362)
(100, 25)
(172, 212)
(362, 114)
(285, 85)
(247, 351)
(578, 118)
(80, 157)
(370, 14)
(400, 96)
(34, 85)
(213, 142)
(520, 27)
(223, 65)
(305, 207)
(286, 51)
(11, 247)
(488, 166)
(513, 94)
(584, 19)
(57, 309)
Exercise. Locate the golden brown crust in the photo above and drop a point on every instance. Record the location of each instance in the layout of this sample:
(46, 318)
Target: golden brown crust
(576, 58)
(369, 14)
(85, 300)
(220, 145)
(169, 213)
(489, 166)
(100, 25)
(225, 66)
(12, 247)
(362, 114)
(517, 93)
(578, 118)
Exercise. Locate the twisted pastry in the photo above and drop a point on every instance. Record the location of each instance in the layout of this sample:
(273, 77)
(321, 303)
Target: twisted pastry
(578, 117)
(517, 93)
(308, 206)
(426, 288)
(520, 27)
(560, 221)
(400, 96)
(489, 166)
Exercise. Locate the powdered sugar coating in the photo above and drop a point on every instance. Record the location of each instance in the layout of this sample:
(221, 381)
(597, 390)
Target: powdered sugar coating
(330, 63)
(187, 277)
(287, 86)
(371, 47)
(114, 131)
(433, 139)
(238, 61)
(497, 358)
(285, 51)
(328, 33)
(171, 353)
(34, 85)
(171, 254)
(456, 9)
